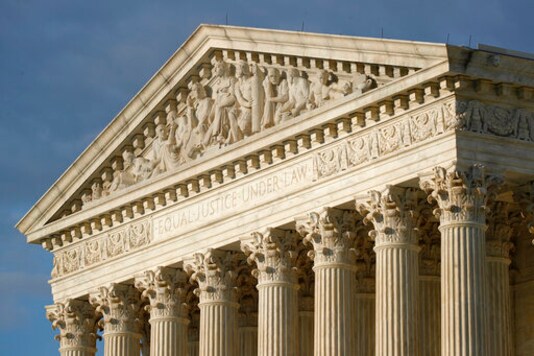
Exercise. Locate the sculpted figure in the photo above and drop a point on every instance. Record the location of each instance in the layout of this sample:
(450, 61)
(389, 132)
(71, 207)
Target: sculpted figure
(97, 190)
(142, 169)
(258, 96)
(125, 177)
(199, 107)
(276, 95)
(224, 128)
(164, 156)
(362, 83)
(299, 92)
(319, 90)
(243, 95)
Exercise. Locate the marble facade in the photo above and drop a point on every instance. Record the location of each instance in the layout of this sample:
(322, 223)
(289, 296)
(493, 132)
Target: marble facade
(287, 193)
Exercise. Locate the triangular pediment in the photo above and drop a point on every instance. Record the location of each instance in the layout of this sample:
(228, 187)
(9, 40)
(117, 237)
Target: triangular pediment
(223, 86)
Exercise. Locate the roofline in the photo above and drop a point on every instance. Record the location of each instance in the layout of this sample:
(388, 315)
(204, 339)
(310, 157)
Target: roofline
(203, 33)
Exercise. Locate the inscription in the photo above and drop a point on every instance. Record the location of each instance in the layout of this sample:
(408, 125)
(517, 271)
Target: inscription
(240, 198)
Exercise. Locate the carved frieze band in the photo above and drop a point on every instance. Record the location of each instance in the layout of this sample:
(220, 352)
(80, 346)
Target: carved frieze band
(386, 139)
(107, 246)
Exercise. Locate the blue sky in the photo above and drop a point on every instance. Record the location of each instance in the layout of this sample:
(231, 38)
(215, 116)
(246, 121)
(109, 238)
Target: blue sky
(67, 67)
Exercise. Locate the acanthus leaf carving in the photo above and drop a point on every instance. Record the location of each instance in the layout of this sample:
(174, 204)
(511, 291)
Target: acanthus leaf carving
(274, 253)
(215, 273)
(331, 233)
(76, 321)
(120, 306)
(500, 230)
(461, 195)
(394, 213)
(165, 288)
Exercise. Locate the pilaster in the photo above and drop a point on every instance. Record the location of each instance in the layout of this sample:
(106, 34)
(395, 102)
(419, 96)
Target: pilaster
(331, 233)
(462, 203)
(119, 305)
(215, 272)
(76, 322)
(165, 290)
(274, 253)
(394, 215)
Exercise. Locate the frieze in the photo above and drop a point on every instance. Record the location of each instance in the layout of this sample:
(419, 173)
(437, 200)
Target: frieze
(496, 120)
(235, 99)
(112, 244)
(386, 139)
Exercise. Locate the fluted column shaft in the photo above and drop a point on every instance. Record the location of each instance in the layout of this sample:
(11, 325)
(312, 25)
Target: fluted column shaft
(165, 289)
(397, 300)
(499, 307)
(430, 312)
(305, 336)
(248, 337)
(120, 307)
(462, 203)
(463, 289)
(76, 321)
(334, 309)
(215, 272)
(498, 247)
(218, 328)
(365, 323)
(394, 214)
(274, 253)
(331, 232)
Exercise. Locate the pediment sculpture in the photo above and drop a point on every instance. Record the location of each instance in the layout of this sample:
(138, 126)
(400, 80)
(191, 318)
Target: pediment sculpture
(241, 99)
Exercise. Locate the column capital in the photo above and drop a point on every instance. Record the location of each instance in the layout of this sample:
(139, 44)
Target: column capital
(461, 195)
(274, 252)
(331, 232)
(76, 321)
(215, 271)
(394, 214)
(525, 199)
(500, 229)
(165, 288)
(430, 254)
(120, 306)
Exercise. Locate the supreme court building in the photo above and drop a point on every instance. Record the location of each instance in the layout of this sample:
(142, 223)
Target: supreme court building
(288, 193)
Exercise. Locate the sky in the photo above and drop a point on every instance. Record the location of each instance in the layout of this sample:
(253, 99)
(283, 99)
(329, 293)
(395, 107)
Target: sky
(67, 67)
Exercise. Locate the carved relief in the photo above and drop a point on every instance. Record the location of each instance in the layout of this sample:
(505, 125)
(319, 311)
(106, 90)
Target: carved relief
(240, 100)
(496, 120)
(386, 139)
(104, 247)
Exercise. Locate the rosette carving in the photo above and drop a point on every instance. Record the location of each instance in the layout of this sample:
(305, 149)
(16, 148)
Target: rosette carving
(461, 195)
(216, 274)
(119, 305)
(76, 321)
(274, 252)
(331, 232)
(165, 289)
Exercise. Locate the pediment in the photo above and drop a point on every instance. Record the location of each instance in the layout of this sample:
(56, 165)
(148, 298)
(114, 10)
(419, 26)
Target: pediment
(223, 87)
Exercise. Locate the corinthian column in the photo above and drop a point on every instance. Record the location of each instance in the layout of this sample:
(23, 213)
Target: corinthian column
(215, 272)
(165, 289)
(76, 322)
(119, 305)
(429, 290)
(461, 197)
(393, 215)
(274, 253)
(498, 248)
(331, 233)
